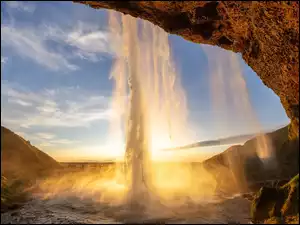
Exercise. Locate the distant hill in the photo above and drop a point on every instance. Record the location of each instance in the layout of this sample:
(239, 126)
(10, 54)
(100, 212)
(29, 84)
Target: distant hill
(19, 159)
(239, 166)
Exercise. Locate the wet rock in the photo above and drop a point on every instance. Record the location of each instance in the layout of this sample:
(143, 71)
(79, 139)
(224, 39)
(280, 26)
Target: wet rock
(276, 202)
(264, 203)
(40, 211)
(246, 164)
(248, 196)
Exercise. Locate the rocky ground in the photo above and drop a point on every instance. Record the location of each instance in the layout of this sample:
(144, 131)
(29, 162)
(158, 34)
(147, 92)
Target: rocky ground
(277, 205)
(78, 211)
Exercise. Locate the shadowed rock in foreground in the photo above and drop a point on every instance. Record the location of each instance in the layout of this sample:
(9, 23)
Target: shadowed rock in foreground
(276, 204)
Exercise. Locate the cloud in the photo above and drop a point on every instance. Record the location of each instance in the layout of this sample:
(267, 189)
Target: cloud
(20, 133)
(19, 102)
(28, 43)
(55, 46)
(52, 108)
(17, 92)
(51, 140)
(45, 135)
(92, 42)
(63, 141)
(49, 106)
(3, 59)
(88, 41)
(44, 144)
(45, 140)
(21, 6)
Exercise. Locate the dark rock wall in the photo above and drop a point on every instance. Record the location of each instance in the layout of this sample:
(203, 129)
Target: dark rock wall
(265, 33)
(276, 202)
(239, 166)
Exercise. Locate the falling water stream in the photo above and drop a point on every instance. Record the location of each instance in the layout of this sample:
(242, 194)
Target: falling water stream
(230, 94)
(156, 111)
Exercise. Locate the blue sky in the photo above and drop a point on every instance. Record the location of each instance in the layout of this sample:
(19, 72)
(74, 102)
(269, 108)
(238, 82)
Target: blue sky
(55, 89)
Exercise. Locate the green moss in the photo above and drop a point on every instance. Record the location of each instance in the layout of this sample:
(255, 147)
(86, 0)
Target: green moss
(12, 193)
(273, 220)
(293, 182)
(264, 204)
(276, 202)
(291, 191)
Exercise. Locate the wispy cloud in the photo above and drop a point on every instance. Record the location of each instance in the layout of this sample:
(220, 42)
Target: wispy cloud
(46, 44)
(88, 40)
(44, 145)
(3, 59)
(27, 43)
(51, 140)
(63, 141)
(21, 6)
(47, 140)
(46, 136)
(52, 108)
(19, 102)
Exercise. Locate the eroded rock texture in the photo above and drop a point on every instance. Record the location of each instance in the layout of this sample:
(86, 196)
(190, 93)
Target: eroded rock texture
(265, 33)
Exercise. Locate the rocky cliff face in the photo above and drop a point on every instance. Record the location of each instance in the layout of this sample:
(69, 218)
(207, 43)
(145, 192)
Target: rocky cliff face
(265, 33)
(239, 168)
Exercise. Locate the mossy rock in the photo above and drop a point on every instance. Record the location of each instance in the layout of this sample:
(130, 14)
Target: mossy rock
(13, 193)
(291, 190)
(274, 220)
(263, 205)
(276, 202)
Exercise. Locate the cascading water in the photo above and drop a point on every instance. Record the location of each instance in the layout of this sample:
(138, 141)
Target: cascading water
(137, 147)
(229, 85)
(230, 95)
(156, 111)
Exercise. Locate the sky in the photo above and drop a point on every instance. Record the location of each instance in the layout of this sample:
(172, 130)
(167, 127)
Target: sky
(56, 92)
